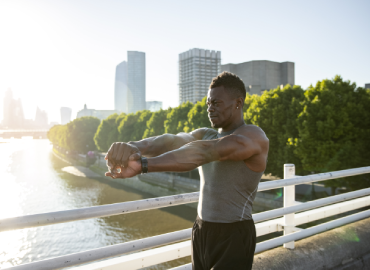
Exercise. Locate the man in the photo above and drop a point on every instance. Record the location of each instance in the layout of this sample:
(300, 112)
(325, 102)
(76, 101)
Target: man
(231, 163)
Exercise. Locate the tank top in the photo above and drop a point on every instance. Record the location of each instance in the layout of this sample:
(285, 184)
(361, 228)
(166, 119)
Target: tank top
(227, 188)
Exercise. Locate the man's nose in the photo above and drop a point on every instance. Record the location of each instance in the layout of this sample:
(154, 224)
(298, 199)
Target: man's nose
(210, 109)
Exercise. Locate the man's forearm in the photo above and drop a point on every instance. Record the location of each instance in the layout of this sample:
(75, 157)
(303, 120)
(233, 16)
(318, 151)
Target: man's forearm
(186, 158)
(155, 146)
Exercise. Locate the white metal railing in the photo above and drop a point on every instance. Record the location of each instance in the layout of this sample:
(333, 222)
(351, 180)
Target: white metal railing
(154, 254)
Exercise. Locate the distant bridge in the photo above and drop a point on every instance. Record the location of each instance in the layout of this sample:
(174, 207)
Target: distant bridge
(35, 133)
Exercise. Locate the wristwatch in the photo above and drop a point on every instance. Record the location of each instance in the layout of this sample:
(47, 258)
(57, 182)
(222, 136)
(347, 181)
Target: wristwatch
(144, 165)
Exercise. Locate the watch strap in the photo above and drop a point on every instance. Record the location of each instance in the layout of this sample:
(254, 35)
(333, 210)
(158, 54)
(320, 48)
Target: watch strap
(144, 165)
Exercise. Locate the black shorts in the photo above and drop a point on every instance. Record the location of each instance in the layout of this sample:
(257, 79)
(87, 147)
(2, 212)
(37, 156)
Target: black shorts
(223, 245)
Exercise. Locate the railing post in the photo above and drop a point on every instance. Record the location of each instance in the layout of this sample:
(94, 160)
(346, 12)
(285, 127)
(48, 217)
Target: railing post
(289, 200)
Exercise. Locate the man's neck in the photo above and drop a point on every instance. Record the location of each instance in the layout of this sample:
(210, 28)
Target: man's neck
(232, 126)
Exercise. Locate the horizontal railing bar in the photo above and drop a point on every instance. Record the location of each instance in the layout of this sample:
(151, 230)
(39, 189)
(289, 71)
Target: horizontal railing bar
(263, 246)
(309, 205)
(154, 203)
(95, 211)
(311, 231)
(106, 252)
(312, 178)
(116, 250)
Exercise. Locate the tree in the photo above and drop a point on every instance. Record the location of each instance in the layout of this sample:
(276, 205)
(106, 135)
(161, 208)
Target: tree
(198, 116)
(141, 124)
(177, 118)
(126, 127)
(155, 125)
(276, 111)
(334, 130)
(107, 133)
(80, 134)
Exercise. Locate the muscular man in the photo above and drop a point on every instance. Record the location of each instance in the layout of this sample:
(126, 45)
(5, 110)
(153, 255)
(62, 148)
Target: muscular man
(231, 163)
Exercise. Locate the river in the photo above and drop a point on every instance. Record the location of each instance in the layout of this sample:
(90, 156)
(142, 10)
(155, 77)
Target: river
(32, 181)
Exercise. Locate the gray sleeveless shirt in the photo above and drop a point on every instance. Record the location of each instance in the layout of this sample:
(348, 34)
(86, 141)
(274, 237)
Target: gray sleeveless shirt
(227, 188)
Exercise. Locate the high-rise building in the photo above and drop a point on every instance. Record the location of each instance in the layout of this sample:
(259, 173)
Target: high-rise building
(120, 88)
(197, 67)
(130, 89)
(65, 115)
(13, 116)
(41, 118)
(259, 76)
(367, 85)
(153, 106)
(135, 81)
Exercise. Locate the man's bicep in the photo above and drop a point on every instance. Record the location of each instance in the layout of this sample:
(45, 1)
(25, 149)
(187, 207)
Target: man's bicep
(183, 138)
(237, 147)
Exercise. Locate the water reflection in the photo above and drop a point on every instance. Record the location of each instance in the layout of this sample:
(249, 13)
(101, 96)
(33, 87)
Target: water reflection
(31, 181)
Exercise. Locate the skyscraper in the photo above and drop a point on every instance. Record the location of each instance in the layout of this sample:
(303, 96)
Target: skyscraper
(135, 81)
(120, 88)
(13, 111)
(65, 115)
(41, 118)
(197, 67)
(259, 76)
(129, 91)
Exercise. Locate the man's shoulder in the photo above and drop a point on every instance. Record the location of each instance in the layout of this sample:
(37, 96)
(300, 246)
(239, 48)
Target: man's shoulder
(252, 132)
(202, 133)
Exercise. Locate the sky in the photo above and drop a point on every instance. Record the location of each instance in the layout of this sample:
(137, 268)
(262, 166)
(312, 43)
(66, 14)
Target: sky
(63, 53)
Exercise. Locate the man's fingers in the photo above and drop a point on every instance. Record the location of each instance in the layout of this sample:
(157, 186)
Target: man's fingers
(122, 148)
(115, 151)
(135, 156)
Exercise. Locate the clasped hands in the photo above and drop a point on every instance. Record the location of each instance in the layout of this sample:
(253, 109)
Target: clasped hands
(123, 160)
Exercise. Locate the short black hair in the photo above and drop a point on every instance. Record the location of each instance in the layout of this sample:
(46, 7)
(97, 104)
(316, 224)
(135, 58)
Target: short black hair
(232, 83)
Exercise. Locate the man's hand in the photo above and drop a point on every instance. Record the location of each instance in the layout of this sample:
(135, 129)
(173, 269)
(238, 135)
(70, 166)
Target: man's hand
(132, 169)
(119, 154)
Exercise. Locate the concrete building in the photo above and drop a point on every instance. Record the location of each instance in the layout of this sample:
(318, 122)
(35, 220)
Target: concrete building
(135, 81)
(197, 67)
(101, 114)
(13, 116)
(153, 106)
(367, 86)
(65, 115)
(259, 76)
(120, 88)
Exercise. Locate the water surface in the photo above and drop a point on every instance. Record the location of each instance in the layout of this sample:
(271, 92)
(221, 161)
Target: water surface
(32, 181)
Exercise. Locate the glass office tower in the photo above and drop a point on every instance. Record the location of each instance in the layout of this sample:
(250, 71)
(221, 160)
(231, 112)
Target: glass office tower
(135, 81)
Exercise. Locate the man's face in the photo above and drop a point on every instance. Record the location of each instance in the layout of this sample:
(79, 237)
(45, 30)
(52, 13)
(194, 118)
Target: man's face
(220, 107)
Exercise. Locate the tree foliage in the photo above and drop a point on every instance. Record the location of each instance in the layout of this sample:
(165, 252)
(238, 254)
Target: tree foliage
(107, 133)
(197, 116)
(80, 134)
(155, 125)
(334, 130)
(177, 118)
(276, 112)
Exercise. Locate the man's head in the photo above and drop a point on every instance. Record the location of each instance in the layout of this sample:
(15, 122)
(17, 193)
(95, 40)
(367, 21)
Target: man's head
(225, 99)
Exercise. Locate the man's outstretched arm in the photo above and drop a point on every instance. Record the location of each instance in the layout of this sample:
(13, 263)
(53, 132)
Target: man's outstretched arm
(234, 147)
(120, 152)
(252, 147)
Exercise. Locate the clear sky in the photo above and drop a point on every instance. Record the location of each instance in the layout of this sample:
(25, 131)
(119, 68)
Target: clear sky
(57, 53)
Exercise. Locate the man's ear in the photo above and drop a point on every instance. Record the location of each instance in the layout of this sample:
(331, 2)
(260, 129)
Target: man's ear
(239, 102)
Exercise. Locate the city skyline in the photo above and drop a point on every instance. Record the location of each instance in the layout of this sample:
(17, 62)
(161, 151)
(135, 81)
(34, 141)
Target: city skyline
(70, 63)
